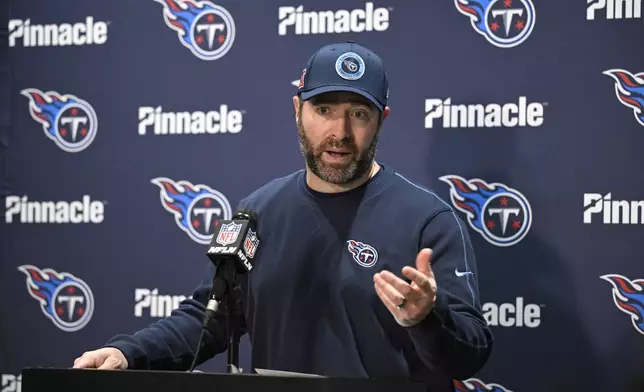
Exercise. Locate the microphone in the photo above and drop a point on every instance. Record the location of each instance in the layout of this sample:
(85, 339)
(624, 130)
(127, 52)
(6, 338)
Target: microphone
(233, 246)
(233, 236)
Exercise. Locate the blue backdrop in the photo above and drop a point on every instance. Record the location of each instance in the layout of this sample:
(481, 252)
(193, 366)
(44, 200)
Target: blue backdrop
(128, 128)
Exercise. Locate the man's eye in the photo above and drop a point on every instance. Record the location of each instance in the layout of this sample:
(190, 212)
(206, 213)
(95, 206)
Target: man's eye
(361, 115)
(323, 110)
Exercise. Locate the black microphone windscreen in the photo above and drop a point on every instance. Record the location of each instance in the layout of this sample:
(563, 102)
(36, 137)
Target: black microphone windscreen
(245, 213)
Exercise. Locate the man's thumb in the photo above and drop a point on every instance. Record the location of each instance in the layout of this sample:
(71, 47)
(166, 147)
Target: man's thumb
(422, 260)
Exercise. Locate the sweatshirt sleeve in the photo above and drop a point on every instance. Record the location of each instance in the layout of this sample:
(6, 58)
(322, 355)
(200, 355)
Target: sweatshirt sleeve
(454, 338)
(170, 343)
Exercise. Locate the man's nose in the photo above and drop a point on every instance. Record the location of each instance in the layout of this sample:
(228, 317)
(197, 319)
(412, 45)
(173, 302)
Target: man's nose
(342, 127)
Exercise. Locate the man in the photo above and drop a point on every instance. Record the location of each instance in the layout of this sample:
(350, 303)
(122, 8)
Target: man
(360, 272)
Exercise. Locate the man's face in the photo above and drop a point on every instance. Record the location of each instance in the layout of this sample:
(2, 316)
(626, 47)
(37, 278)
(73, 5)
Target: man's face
(338, 134)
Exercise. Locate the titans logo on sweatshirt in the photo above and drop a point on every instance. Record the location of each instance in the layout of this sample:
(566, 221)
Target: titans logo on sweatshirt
(363, 254)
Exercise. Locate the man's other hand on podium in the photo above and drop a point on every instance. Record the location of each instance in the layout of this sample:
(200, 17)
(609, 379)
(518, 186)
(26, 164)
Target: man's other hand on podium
(105, 358)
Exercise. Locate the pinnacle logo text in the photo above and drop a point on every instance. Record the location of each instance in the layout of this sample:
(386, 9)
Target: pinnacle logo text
(329, 22)
(65, 34)
(186, 123)
(11, 383)
(613, 211)
(157, 305)
(515, 314)
(614, 9)
(79, 211)
(492, 115)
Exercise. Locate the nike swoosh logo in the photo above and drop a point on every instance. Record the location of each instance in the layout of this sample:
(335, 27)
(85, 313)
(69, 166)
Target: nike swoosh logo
(459, 273)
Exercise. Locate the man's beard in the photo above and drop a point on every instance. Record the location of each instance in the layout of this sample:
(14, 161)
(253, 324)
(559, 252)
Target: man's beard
(344, 173)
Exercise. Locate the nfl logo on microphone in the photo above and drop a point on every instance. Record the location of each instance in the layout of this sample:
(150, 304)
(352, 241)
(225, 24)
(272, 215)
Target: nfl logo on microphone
(228, 233)
(250, 244)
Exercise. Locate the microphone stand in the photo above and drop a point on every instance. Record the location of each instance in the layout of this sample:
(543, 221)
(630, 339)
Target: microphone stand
(225, 297)
(233, 314)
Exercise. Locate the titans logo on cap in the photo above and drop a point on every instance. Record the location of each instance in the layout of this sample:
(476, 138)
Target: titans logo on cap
(67, 120)
(350, 66)
(300, 83)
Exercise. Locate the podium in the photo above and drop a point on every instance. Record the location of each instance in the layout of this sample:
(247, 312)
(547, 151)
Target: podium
(82, 380)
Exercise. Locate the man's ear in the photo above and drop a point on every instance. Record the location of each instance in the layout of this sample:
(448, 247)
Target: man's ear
(385, 112)
(296, 105)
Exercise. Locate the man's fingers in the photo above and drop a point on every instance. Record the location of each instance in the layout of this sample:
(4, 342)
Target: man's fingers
(85, 362)
(394, 296)
(400, 285)
(104, 358)
(110, 363)
(421, 280)
(385, 299)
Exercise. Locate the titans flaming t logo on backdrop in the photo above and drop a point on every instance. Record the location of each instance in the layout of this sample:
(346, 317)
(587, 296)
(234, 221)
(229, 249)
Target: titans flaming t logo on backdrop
(196, 208)
(208, 30)
(629, 89)
(629, 297)
(504, 23)
(65, 299)
(66, 119)
(502, 215)
(476, 385)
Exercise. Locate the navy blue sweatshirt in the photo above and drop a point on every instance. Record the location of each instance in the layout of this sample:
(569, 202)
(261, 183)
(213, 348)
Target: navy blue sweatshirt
(310, 304)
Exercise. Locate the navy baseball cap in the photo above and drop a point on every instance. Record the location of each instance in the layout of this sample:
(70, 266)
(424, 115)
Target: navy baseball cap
(345, 66)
